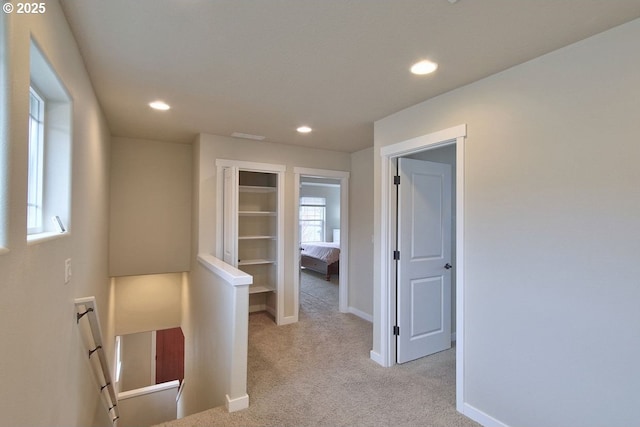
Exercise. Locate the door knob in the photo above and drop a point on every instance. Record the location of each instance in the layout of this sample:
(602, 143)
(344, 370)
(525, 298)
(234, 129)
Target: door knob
(447, 266)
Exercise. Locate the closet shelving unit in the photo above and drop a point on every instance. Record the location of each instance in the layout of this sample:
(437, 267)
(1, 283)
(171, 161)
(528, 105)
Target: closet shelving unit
(251, 228)
(257, 228)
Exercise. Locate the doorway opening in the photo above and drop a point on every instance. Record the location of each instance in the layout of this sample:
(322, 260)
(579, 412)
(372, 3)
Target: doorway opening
(322, 230)
(387, 308)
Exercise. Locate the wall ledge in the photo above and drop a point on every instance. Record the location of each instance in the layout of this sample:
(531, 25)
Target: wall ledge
(148, 390)
(34, 239)
(225, 271)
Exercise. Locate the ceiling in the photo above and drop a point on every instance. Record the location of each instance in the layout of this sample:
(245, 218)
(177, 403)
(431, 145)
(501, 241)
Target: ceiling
(265, 67)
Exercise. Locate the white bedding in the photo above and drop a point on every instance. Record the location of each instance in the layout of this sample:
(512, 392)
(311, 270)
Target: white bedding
(328, 252)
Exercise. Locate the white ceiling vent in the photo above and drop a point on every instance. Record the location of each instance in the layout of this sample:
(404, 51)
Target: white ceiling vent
(248, 136)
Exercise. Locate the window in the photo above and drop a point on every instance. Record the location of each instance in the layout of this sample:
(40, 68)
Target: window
(312, 219)
(49, 171)
(36, 159)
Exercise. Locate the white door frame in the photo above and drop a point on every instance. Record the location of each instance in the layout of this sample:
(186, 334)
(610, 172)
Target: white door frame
(343, 290)
(454, 135)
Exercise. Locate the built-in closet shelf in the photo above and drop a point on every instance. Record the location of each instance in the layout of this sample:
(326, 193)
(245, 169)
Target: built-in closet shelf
(259, 289)
(256, 189)
(251, 228)
(255, 261)
(257, 213)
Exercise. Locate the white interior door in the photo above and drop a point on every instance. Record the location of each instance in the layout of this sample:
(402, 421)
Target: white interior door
(424, 267)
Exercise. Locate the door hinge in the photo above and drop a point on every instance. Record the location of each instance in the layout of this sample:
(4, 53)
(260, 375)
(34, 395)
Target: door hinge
(396, 255)
(396, 180)
(396, 330)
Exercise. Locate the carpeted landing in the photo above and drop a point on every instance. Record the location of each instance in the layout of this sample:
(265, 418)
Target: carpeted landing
(317, 372)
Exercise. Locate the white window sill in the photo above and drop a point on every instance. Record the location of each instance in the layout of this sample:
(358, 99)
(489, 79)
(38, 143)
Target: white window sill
(34, 239)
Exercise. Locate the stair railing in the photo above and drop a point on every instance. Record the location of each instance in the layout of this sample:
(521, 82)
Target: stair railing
(87, 308)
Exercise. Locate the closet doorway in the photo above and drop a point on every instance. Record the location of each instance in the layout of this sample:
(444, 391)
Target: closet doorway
(321, 217)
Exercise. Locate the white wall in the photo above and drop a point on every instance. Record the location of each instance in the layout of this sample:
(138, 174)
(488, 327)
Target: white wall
(552, 213)
(147, 303)
(212, 147)
(361, 231)
(155, 405)
(5, 88)
(46, 377)
(150, 229)
(215, 327)
(136, 371)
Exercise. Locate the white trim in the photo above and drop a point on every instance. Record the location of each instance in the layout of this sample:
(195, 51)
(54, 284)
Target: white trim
(320, 184)
(225, 271)
(34, 239)
(455, 135)
(478, 416)
(287, 320)
(129, 394)
(296, 245)
(420, 143)
(320, 173)
(376, 357)
(154, 341)
(236, 404)
(460, 277)
(361, 314)
(343, 277)
(255, 166)
(180, 390)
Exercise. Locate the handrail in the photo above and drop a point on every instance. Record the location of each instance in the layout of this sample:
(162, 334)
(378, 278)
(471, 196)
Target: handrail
(87, 307)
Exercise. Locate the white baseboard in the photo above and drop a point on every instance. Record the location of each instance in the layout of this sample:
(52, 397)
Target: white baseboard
(257, 307)
(237, 404)
(361, 314)
(480, 417)
(288, 320)
(377, 357)
(271, 311)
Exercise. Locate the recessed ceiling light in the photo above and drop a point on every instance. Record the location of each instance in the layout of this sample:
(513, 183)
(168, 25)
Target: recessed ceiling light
(159, 105)
(424, 67)
(304, 129)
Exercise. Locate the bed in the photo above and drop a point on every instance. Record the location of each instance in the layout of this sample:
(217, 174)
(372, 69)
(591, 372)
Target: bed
(322, 257)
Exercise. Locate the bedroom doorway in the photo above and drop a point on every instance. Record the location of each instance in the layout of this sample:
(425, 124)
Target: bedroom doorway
(321, 218)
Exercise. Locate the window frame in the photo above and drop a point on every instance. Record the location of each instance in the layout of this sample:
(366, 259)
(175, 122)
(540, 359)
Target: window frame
(307, 202)
(57, 150)
(35, 183)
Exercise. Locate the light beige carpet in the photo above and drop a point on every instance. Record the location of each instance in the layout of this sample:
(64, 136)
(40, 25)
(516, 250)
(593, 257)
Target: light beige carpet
(317, 372)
